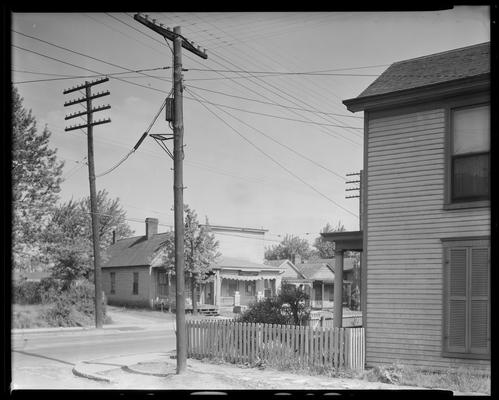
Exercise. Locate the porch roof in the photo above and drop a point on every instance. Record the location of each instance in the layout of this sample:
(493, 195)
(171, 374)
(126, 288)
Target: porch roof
(349, 240)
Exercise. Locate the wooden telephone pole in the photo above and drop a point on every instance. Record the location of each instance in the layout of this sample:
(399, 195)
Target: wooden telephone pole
(91, 176)
(178, 155)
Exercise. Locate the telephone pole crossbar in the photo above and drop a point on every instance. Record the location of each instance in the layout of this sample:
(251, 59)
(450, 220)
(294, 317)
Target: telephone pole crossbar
(360, 195)
(178, 155)
(91, 177)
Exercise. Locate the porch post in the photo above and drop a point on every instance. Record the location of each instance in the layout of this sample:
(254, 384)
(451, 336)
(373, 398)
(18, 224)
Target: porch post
(338, 289)
(322, 294)
(217, 289)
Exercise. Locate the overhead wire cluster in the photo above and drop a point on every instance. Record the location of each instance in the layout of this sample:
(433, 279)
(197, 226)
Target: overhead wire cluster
(253, 74)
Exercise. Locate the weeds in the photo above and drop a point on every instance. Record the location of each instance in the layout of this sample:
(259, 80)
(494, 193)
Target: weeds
(461, 379)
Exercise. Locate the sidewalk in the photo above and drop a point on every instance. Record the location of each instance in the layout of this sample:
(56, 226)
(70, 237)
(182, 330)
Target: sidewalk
(122, 321)
(158, 371)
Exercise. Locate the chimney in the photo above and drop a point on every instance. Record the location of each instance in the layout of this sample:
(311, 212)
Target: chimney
(296, 259)
(151, 227)
(114, 237)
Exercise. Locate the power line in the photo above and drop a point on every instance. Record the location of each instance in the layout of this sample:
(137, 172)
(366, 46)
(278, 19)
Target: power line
(258, 93)
(283, 145)
(277, 162)
(273, 104)
(87, 69)
(264, 56)
(276, 116)
(92, 76)
(278, 73)
(136, 145)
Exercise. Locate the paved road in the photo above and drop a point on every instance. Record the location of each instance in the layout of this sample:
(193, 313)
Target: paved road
(45, 360)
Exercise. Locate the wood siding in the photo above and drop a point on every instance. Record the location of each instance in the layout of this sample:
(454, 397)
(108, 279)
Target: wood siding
(124, 286)
(405, 221)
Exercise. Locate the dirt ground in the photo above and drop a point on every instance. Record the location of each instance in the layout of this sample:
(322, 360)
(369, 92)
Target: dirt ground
(203, 375)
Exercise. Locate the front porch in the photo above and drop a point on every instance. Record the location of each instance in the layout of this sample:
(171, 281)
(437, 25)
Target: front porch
(240, 290)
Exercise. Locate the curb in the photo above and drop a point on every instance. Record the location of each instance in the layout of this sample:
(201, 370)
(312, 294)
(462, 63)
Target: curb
(89, 375)
(104, 329)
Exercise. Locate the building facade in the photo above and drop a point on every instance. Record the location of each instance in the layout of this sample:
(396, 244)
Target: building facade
(426, 234)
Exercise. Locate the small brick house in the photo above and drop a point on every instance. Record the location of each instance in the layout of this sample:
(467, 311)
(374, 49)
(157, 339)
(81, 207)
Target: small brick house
(134, 275)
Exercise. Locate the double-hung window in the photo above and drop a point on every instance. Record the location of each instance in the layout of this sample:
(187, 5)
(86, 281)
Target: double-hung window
(470, 154)
(113, 282)
(135, 288)
(467, 299)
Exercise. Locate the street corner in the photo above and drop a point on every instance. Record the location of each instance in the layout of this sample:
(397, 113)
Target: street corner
(90, 371)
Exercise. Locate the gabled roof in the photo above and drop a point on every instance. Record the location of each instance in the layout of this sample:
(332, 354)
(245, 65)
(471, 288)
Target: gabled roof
(323, 268)
(448, 67)
(134, 251)
(434, 68)
(277, 263)
(138, 251)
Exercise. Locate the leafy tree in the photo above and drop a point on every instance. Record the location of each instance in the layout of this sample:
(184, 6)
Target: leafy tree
(36, 179)
(200, 252)
(288, 247)
(325, 249)
(70, 235)
(294, 302)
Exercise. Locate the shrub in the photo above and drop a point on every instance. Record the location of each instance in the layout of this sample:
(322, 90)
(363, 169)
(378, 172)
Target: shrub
(288, 308)
(266, 311)
(26, 292)
(74, 306)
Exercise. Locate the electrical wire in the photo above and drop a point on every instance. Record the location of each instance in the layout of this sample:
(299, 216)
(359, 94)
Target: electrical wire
(92, 76)
(108, 171)
(282, 144)
(277, 162)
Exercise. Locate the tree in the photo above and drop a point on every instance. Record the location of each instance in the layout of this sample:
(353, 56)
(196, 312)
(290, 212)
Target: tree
(70, 235)
(36, 179)
(200, 252)
(325, 249)
(289, 246)
(294, 302)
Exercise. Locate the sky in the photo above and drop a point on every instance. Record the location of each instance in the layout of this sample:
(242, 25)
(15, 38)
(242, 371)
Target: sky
(268, 142)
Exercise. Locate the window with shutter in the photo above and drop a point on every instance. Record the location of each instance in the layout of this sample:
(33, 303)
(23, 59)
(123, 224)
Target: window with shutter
(467, 305)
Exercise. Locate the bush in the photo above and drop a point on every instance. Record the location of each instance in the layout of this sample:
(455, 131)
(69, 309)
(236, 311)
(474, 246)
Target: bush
(74, 306)
(266, 311)
(288, 308)
(26, 292)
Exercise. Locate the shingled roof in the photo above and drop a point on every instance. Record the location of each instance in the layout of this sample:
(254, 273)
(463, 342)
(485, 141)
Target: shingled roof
(134, 251)
(436, 68)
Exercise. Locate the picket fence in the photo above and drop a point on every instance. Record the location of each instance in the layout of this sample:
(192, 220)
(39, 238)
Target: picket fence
(280, 345)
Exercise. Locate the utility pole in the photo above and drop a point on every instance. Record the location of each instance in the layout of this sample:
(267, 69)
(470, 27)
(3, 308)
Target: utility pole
(178, 155)
(91, 176)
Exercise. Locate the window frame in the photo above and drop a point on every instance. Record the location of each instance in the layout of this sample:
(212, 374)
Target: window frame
(112, 280)
(459, 243)
(135, 283)
(449, 203)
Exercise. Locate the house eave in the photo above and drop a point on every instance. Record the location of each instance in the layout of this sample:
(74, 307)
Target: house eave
(463, 86)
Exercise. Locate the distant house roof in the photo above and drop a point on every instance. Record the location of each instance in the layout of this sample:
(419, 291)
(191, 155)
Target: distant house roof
(138, 251)
(134, 251)
(323, 269)
(276, 263)
(439, 68)
(238, 263)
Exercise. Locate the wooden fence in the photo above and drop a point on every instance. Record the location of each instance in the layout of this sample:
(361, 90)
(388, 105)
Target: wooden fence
(278, 345)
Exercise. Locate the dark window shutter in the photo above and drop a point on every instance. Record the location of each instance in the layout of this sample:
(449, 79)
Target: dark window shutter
(479, 299)
(456, 308)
